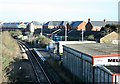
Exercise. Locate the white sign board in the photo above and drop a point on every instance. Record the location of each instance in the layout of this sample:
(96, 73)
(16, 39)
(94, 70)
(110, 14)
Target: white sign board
(115, 60)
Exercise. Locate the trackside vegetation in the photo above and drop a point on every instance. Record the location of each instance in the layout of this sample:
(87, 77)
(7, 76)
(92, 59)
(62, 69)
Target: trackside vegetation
(10, 50)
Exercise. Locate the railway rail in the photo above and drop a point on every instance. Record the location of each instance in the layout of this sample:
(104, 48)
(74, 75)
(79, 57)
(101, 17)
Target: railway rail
(41, 76)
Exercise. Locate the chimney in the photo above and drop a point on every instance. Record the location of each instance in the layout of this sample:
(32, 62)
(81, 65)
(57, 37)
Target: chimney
(104, 20)
(88, 19)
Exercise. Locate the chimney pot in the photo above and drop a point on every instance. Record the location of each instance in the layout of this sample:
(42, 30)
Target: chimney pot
(88, 19)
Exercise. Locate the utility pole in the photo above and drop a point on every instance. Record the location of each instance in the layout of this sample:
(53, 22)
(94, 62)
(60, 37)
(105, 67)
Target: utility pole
(41, 30)
(82, 34)
(66, 27)
(65, 34)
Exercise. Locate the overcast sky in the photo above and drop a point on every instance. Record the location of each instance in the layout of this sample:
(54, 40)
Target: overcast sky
(57, 10)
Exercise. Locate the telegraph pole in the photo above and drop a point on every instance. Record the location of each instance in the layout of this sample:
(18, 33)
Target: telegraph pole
(66, 34)
(66, 28)
(41, 30)
(82, 35)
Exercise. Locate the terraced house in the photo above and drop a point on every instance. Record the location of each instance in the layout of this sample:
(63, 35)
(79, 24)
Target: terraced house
(55, 24)
(78, 25)
(97, 25)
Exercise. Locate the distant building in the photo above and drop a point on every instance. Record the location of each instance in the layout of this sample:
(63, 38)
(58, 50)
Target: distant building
(78, 25)
(94, 25)
(63, 24)
(45, 25)
(37, 24)
(31, 26)
(97, 25)
(88, 26)
(55, 24)
(14, 26)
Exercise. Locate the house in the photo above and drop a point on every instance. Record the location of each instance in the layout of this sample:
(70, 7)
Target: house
(78, 25)
(88, 26)
(94, 25)
(36, 24)
(52, 26)
(55, 24)
(97, 25)
(13, 26)
(74, 30)
(63, 24)
(45, 25)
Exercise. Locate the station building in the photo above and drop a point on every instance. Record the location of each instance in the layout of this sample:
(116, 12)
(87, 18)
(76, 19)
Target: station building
(90, 61)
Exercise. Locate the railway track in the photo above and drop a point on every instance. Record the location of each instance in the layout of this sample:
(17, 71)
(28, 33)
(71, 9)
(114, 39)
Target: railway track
(41, 76)
(52, 74)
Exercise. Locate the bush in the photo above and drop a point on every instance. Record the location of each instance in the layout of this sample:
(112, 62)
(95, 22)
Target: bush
(15, 33)
(91, 37)
(43, 40)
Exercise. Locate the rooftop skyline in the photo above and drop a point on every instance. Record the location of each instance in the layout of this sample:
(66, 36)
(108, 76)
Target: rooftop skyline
(54, 10)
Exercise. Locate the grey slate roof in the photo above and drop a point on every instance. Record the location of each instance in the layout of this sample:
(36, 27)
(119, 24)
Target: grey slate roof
(94, 49)
(98, 23)
(36, 23)
(55, 23)
(112, 22)
(102, 23)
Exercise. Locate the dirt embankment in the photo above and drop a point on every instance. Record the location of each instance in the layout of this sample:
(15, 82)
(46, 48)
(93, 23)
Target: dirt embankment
(9, 51)
(13, 67)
